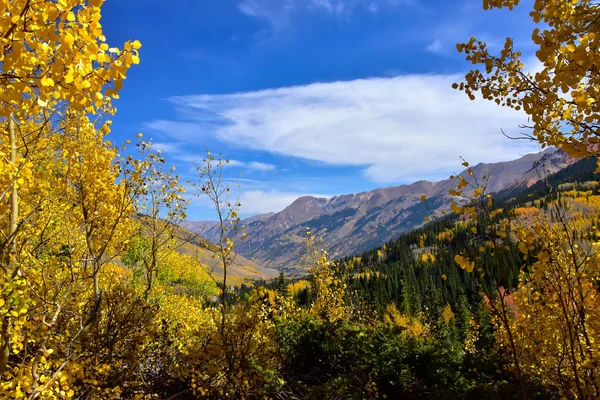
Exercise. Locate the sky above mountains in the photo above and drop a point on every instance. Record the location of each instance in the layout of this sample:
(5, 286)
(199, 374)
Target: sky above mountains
(319, 97)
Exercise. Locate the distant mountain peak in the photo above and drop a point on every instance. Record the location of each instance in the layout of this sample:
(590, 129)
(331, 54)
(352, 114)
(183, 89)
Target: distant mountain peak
(351, 223)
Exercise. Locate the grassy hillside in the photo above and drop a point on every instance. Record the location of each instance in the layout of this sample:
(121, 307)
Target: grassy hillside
(241, 270)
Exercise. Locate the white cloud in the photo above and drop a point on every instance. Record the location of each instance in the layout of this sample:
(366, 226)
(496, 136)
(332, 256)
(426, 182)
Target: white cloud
(437, 47)
(253, 165)
(399, 129)
(236, 163)
(442, 38)
(260, 202)
(167, 147)
(275, 12)
(259, 166)
(173, 152)
(184, 130)
(346, 7)
(278, 12)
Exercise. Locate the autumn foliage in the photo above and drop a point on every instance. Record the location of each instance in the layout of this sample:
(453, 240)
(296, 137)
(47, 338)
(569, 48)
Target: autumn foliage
(100, 299)
(551, 333)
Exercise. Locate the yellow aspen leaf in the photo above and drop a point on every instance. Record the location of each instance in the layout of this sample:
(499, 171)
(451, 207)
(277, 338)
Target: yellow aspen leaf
(102, 58)
(68, 39)
(523, 248)
(47, 81)
(62, 5)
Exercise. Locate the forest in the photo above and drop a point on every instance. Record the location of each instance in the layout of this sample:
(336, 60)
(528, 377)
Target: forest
(104, 295)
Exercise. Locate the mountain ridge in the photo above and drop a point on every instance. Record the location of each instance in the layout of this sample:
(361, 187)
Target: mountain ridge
(351, 223)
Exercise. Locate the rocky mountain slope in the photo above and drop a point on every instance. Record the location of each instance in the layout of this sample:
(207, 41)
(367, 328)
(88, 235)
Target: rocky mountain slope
(350, 224)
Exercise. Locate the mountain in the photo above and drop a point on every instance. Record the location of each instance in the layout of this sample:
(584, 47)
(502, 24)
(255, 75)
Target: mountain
(353, 223)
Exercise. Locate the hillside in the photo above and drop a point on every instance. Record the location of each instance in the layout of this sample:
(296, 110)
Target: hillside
(353, 223)
(242, 269)
(397, 270)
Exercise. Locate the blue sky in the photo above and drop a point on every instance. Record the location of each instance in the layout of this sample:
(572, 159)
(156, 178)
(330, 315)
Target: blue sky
(320, 97)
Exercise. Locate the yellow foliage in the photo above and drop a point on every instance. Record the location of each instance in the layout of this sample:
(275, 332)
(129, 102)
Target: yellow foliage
(370, 274)
(526, 211)
(447, 314)
(181, 272)
(557, 312)
(412, 327)
(296, 287)
(561, 99)
(464, 263)
(57, 57)
(427, 258)
(75, 322)
(446, 236)
(328, 285)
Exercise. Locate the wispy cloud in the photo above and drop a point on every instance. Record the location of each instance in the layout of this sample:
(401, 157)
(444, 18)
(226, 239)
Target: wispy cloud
(185, 131)
(253, 165)
(259, 166)
(437, 47)
(274, 12)
(346, 7)
(260, 202)
(277, 13)
(176, 152)
(399, 128)
(443, 36)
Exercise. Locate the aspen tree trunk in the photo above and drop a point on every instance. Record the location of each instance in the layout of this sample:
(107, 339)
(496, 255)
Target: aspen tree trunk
(14, 216)
(14, 198)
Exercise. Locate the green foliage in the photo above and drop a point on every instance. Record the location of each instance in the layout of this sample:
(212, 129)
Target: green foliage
(414, 285)
(344, 360)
